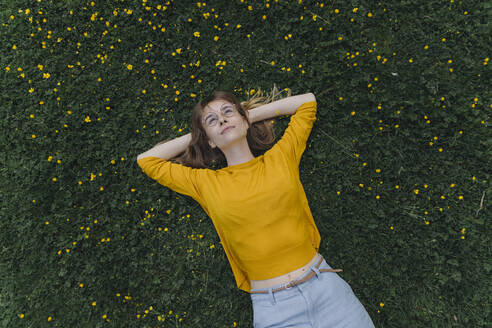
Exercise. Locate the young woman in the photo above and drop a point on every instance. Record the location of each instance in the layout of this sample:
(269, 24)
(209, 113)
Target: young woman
(259, 208)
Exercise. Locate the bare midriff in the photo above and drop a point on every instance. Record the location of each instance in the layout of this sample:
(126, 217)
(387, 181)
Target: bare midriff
(284, 279)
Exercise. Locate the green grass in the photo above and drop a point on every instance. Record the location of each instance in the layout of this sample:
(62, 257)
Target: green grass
(382, 160)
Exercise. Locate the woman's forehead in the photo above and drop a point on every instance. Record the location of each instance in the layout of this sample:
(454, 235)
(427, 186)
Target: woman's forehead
(216, 105)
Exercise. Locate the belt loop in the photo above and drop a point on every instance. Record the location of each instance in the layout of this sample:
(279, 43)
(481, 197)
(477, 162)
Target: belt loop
(316, 270)
(272, 297)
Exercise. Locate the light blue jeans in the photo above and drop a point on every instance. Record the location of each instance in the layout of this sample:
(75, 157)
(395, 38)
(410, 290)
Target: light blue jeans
(325, 300)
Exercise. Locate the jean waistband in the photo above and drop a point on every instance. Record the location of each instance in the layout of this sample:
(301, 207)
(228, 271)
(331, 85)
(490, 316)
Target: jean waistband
(313, 270)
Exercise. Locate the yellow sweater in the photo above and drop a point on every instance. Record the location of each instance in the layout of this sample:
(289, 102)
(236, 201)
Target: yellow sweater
(259, 208)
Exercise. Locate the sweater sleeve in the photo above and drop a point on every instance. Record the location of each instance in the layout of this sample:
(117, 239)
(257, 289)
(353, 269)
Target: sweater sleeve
(293, 142)
(180, 178)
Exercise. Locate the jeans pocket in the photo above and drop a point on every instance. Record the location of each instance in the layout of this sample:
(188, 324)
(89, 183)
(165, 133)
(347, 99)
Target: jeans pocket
(265, 313)
(336, 277)
(347, 286)
(259, 305)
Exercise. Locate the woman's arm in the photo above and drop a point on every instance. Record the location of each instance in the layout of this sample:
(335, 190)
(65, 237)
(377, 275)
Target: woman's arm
(285, 106)
(169, 149)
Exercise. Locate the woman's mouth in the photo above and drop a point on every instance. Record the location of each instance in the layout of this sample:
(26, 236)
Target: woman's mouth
(227, 129)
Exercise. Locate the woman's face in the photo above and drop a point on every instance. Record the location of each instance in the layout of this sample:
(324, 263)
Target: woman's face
(218, 115)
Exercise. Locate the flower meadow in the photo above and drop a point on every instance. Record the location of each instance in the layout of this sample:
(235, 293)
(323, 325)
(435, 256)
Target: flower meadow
(396, 168)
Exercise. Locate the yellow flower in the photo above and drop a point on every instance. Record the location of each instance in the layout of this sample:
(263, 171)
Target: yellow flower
(14, 47)
(129, 66)
(369, 15)
(31, 90)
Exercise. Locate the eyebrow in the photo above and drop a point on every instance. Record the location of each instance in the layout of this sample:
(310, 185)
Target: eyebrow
(207, 114)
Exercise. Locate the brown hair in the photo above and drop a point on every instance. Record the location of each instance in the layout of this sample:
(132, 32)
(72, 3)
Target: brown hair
(260, 135)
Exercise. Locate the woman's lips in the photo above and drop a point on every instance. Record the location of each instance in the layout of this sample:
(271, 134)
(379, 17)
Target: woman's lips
(227, 129)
